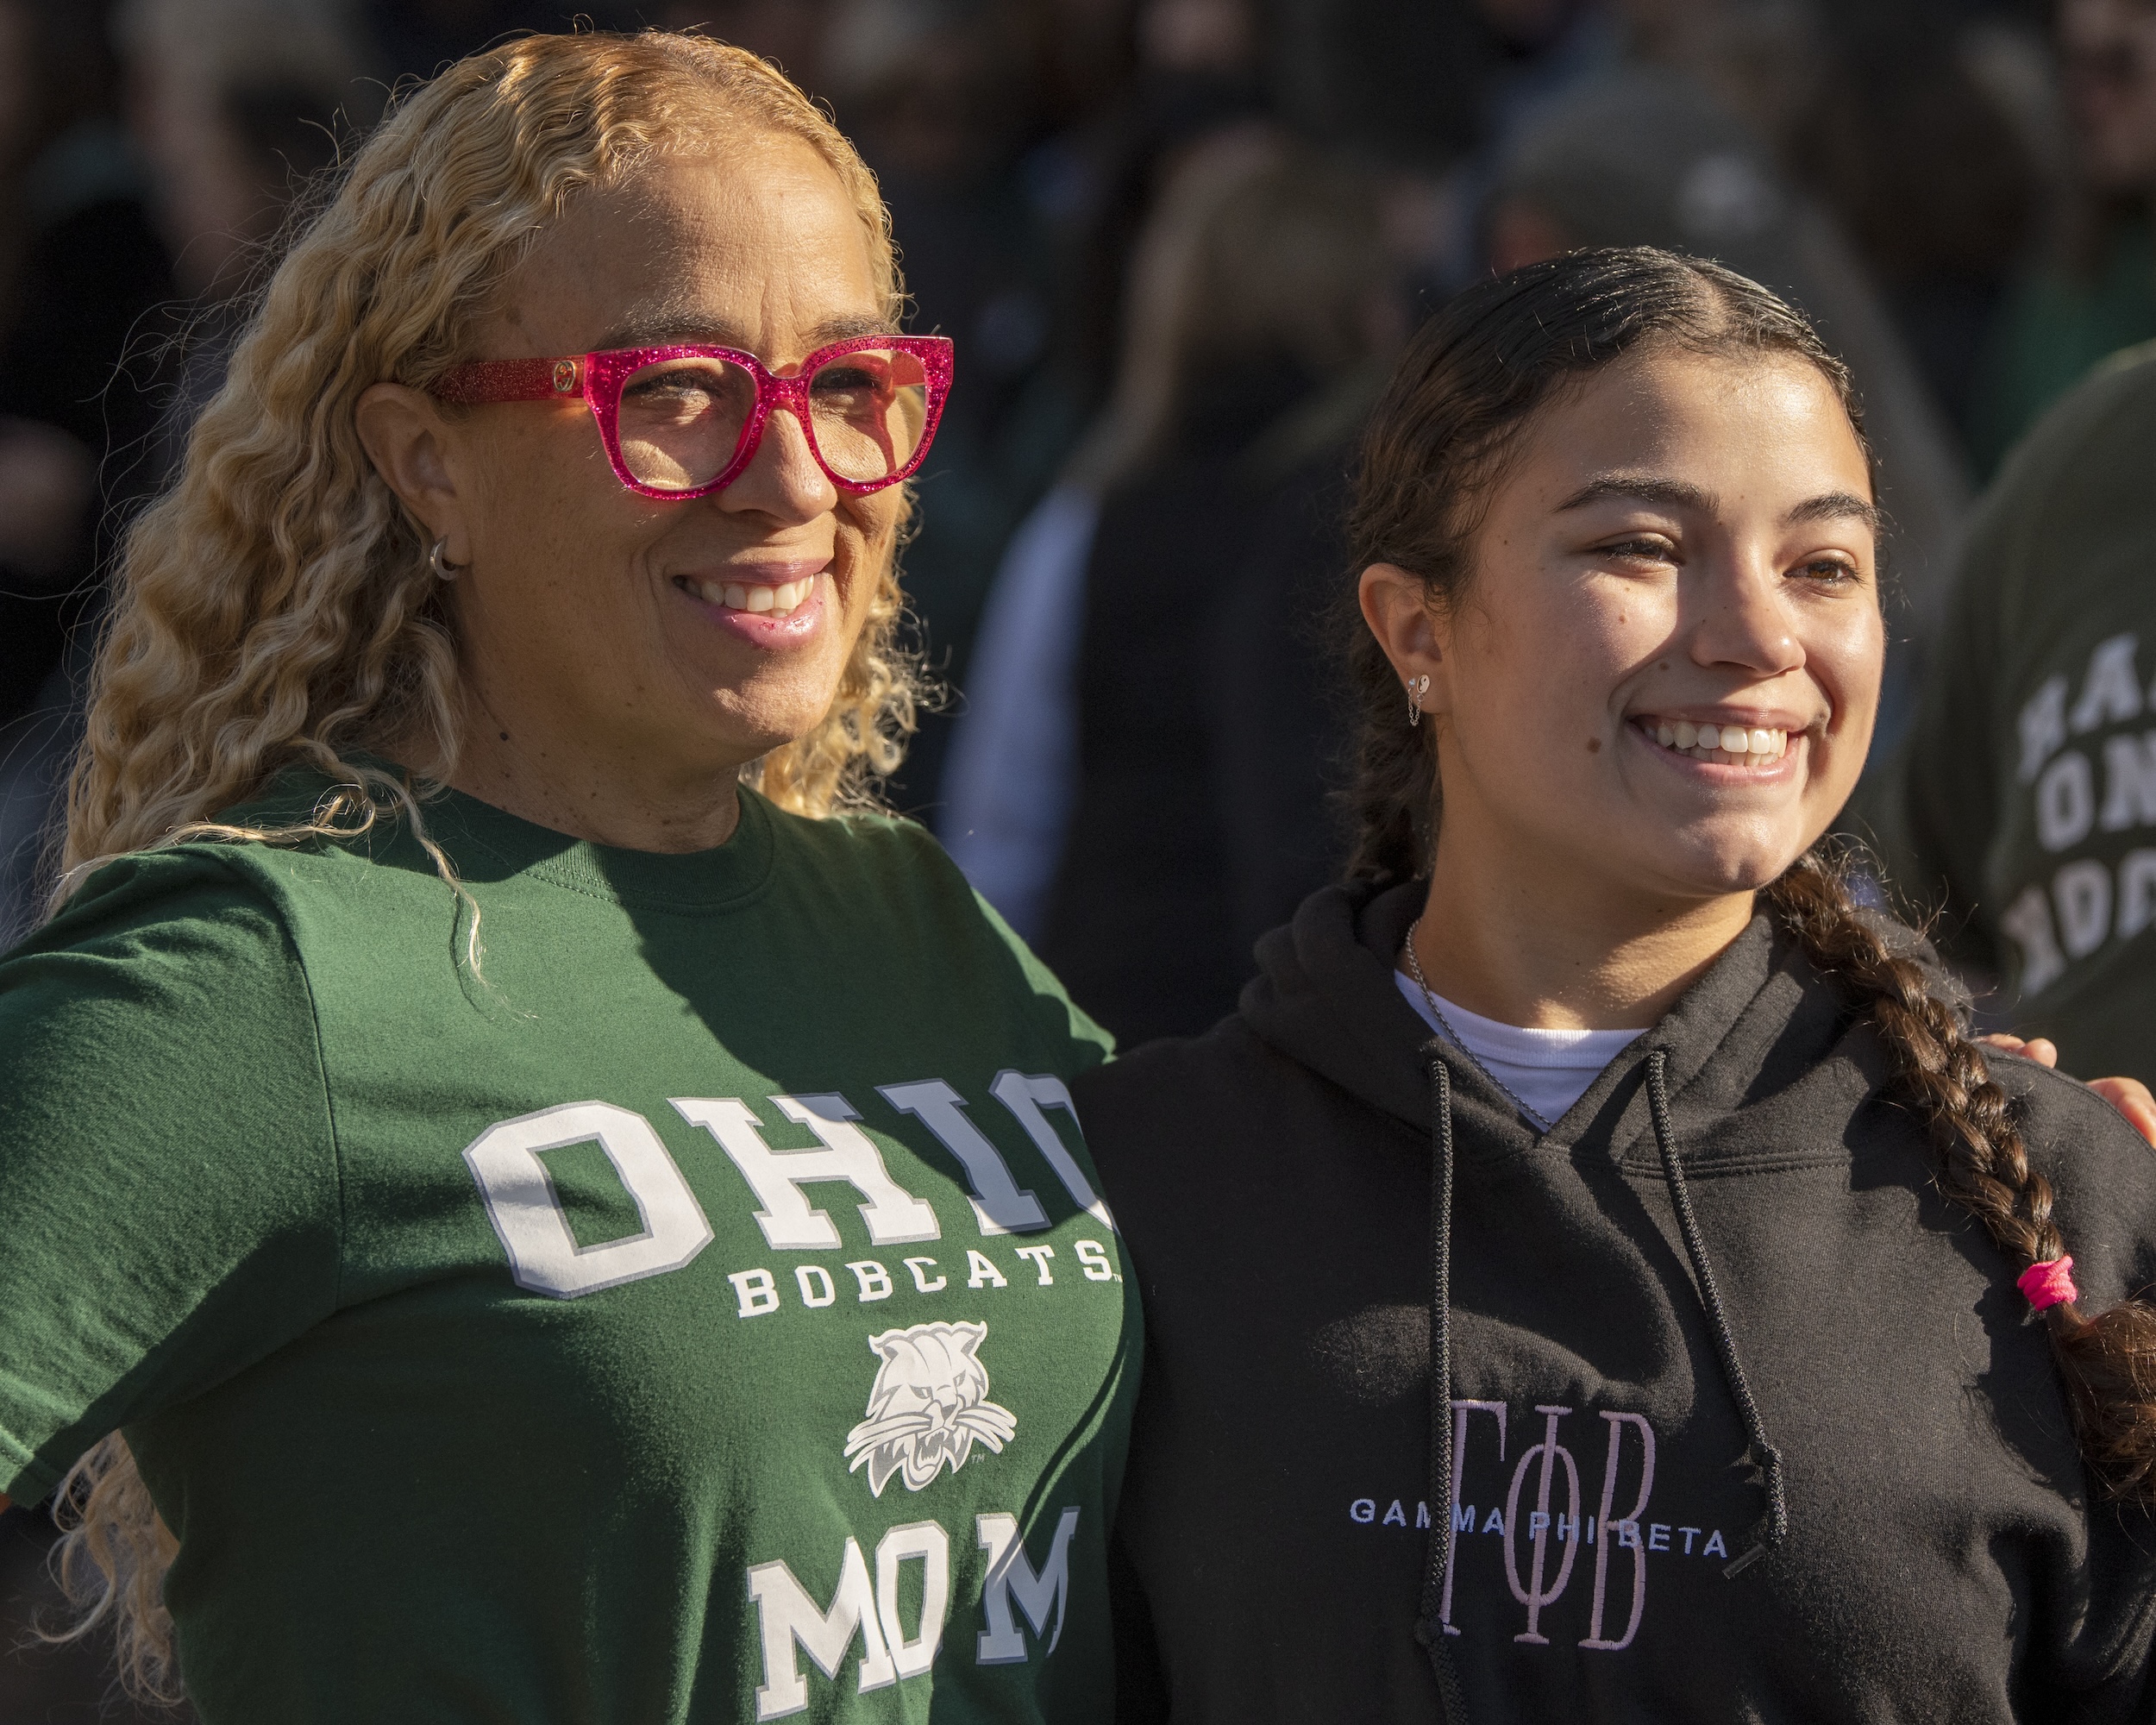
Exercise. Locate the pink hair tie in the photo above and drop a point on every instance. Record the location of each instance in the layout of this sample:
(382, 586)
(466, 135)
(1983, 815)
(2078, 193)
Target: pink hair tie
(2049, 1284)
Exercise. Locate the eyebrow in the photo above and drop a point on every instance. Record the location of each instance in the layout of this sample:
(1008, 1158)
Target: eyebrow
(685, 329)
(1641, 488)
(1669, 493)
(1834, 506)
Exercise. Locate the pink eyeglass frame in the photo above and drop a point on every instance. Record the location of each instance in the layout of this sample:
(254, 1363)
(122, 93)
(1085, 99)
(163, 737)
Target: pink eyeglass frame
(599, 378)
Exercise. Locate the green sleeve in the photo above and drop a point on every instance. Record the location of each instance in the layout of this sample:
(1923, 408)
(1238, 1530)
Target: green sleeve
(168, 1184)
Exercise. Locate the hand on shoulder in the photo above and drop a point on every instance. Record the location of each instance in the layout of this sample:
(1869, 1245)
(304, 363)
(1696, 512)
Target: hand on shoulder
(2129, 1096)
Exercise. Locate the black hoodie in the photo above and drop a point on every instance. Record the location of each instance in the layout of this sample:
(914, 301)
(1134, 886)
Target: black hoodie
(1943, 1556)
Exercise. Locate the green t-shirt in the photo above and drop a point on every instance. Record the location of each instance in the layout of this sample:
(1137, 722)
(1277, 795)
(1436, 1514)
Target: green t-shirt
(706, 1313)
(2023, 802)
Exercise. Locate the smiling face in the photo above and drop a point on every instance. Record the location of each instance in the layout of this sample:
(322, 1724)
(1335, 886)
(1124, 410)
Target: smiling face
(1658, 687)
(597, 592)
(645, 642)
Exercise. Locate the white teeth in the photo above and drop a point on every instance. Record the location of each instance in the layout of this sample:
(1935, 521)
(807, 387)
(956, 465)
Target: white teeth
(759, 597)
(1726, 744)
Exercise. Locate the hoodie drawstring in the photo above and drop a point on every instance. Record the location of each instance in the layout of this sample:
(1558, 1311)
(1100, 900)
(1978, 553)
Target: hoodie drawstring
(1430, 1623)
(1774, 1526)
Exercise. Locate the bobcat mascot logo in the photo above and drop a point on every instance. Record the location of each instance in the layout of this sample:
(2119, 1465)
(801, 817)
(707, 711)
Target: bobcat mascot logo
(929, 1403)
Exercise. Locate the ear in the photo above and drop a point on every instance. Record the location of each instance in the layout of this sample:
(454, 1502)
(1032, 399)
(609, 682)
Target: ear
(1413, 633)
(406, 438)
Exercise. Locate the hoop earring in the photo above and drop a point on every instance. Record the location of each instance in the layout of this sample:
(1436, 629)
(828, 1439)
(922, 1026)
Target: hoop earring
(1416, 688)
(444, 570)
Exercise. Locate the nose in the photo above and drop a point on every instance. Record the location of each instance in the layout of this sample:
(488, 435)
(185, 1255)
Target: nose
(783, 479)
(1745, 620)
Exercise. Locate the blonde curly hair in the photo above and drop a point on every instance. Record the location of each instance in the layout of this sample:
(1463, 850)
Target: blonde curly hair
(275, 607)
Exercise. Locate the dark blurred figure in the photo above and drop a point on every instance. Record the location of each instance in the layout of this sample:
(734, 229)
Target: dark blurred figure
(238, 107)
(1921, 134)
(787, 33)
(1118, 92)
(1195, 68)
(81, 265)
(2094, 290)
(232, 107)
(417, 38)
(1098, 793)
(1426, 85)
(1927, 130)
(940, 96)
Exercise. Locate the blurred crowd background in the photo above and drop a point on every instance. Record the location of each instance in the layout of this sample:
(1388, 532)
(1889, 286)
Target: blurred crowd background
(1177, 243)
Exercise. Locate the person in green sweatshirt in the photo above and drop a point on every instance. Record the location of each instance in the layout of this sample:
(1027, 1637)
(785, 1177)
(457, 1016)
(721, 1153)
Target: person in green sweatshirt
(2021, 808)
(526, 1197)
(2089, 290)
(1596, 1276)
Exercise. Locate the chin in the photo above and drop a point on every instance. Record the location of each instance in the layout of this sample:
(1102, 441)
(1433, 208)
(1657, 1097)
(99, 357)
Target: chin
(755, 727)
(1717, 871)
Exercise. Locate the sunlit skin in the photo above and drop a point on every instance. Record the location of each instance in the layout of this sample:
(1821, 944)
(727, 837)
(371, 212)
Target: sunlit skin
(602, 699)
(1676, 537)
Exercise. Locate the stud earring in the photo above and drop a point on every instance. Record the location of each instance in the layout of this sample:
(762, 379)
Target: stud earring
(1416, 688)
(445, 570)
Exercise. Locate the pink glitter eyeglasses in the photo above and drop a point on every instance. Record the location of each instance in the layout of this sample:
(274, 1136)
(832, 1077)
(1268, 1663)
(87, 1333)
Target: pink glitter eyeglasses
(682, 421)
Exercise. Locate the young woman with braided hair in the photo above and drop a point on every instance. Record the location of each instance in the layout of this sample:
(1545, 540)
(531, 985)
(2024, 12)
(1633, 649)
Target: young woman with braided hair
(1595, 1274)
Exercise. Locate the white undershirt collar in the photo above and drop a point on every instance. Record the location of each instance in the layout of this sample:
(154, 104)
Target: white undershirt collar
(1547, 1069)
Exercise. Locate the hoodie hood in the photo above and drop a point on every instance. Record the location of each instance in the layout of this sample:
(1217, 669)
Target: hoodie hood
(1324, 996)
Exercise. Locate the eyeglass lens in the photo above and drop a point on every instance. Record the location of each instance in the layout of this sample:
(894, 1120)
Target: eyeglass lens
(681, 421)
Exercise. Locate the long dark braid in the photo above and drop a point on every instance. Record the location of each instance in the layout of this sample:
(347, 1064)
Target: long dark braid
(1473, 377)
(2108, 1363)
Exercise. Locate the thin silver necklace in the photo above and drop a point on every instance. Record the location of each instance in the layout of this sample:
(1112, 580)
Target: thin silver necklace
(1415, 970)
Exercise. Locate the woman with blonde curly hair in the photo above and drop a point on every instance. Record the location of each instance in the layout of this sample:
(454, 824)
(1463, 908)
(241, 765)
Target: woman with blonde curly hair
(527, 1196)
